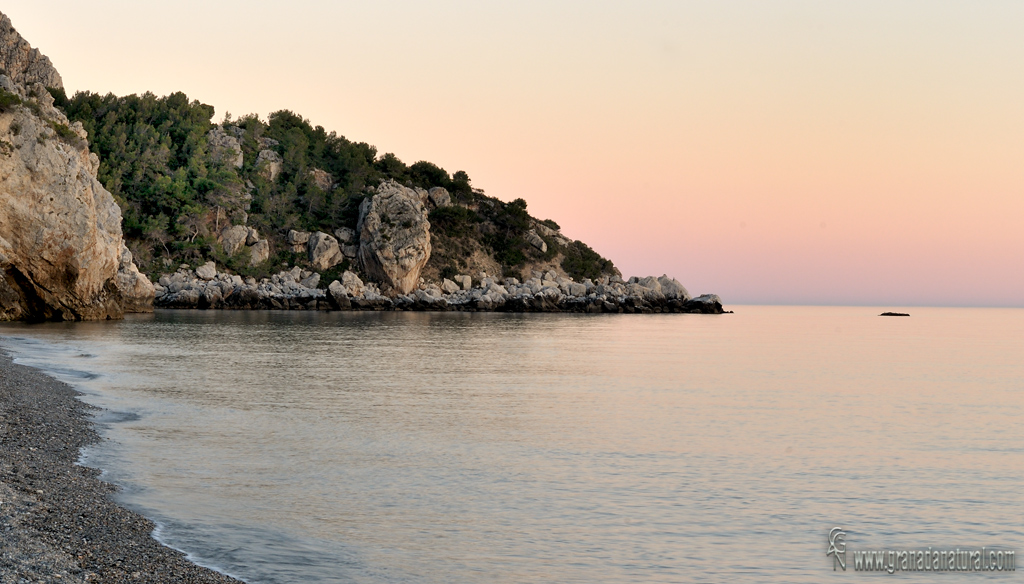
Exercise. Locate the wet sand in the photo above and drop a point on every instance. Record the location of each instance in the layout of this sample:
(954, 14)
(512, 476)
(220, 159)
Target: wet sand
(57, 520)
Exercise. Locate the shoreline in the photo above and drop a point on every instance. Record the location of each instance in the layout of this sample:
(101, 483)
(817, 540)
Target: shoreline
(58, 520)
(299, 289)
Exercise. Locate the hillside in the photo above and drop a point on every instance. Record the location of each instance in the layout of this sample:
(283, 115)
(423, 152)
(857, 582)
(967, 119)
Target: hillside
(182, 181)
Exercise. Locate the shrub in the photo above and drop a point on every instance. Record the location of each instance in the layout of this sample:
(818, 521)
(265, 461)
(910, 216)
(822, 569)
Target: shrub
(66, 134)
(8, 100)
(453, 221)
(328, 276)
(581, 262)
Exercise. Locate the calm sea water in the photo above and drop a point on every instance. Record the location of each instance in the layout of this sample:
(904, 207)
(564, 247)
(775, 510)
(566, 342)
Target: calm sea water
(447, 448)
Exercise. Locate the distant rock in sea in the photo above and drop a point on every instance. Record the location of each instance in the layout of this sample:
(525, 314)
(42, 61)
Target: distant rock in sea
(894, 314)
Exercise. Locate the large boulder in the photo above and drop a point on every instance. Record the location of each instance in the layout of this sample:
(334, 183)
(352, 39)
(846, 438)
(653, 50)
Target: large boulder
(394, 237)
(298, 237)
(324, 251)
(207, 271)
(672, 289)
(259, 252)
(344, 235)
(439, 197)
(536, 241)
(298, 240)
(233, 239)
(339, 295)
(352, 283)
(348, 239)
(61, 246)
(137, 292)
(23, 64)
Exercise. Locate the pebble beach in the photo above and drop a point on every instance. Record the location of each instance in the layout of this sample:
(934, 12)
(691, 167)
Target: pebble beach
(58, 522)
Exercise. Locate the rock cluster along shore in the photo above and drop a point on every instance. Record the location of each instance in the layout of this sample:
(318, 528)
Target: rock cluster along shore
(57, 520)
(298, 289)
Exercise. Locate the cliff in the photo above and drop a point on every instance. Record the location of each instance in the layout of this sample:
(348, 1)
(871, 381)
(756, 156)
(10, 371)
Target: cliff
(62, 255)
(21, 63)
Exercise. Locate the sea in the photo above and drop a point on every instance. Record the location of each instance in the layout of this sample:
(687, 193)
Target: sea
(519, 448)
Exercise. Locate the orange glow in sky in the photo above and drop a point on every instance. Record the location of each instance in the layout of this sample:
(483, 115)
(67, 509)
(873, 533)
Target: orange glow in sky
(771, 152)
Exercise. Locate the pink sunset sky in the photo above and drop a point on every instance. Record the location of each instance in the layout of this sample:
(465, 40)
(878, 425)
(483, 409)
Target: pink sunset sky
(771, 152)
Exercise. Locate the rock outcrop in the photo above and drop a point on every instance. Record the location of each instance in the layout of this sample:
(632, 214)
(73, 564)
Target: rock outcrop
(299, 289)
(394, 236)
(62, 255)
(224, 147)
(321, 178)
(137, 292)
(270, 164)
(21, 63)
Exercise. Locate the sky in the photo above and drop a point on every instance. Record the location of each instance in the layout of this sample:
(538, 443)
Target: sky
(784, 152)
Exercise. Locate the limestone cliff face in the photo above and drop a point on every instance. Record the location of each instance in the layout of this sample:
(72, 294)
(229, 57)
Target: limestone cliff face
(62, 254)
(394, 236)
(23, 64)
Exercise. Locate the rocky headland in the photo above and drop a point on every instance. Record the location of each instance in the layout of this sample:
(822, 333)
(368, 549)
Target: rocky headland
(248, 214)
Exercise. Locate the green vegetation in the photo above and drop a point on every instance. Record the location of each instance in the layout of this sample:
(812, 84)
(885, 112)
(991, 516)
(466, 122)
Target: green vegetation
(177, 191)
(65, 133)
(8, 100)
(454, 221)
(582, 262)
